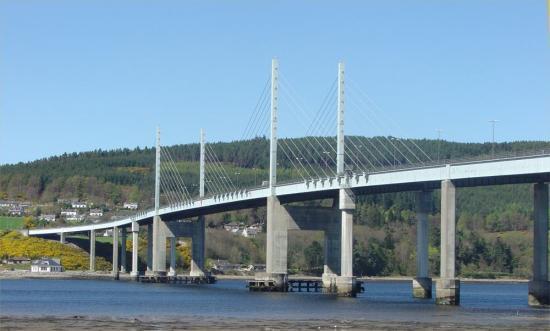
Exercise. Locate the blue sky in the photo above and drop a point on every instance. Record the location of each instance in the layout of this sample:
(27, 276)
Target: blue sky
(82, 75)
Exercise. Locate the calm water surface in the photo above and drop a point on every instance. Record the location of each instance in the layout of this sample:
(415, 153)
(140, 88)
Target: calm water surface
(382, 301)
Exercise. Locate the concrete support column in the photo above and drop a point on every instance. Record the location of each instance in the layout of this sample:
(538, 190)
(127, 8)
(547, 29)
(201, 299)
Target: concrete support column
(123, 237)
(422, 284)
(149, 248)
(539, 285)
(172, 271)
(277, 243)
(92, 250)
(135, 248)
(448, 286)
(115, 252)
(198, 247)
(333, 249)
(62, 238)
(346, 284)
(332, 254)
(159, 247)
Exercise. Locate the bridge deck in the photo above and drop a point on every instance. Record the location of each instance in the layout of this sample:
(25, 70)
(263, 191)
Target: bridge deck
(524, 169)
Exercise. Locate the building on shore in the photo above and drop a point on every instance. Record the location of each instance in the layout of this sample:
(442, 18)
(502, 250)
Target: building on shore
(16, 260)
(46, 265)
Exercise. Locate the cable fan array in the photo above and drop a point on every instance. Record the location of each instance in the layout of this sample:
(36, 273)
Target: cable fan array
(172, 187)
(313, 156)
(217, 180)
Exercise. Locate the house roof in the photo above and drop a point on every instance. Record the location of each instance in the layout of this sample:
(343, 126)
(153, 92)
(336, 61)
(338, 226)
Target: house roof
(46, 262)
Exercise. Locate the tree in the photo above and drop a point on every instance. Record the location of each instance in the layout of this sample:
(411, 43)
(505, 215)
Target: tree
(28, 222)
(313, 255)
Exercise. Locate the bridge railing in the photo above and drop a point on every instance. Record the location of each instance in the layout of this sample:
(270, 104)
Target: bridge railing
(435, 163)
(471, 159)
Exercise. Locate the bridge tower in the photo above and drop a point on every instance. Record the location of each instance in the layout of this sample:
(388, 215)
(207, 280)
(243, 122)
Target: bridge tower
(159, 238)
(345, 283)
(198, 227)
(274, 120)
(277, 225)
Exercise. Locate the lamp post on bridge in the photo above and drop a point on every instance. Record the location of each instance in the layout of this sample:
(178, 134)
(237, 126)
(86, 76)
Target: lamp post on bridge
(438, 143)
(325, 158)
(237, 181)
(493, 122)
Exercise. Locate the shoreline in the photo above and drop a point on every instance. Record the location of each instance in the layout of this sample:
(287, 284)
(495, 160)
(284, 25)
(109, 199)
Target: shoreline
(198, 323)
(83, 275)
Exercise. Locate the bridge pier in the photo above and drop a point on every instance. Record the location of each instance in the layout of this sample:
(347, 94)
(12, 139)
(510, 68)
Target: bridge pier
(539, 285)
(337, 224)
(198, 245)
(135, 249)
(149, 248)
(422, 283)
(159, 247)
(123, 237)
(332, 252)
(62, 238)
(448, 286)
(346, 284)
(92, 250)
(172, 271)
(277, 244)
(115, 252)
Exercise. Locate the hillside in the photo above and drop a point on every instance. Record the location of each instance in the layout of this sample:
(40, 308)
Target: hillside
(14, 244)
(119, 175)
(494, 223)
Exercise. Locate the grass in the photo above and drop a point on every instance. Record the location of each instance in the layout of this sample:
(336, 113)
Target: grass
(11, 223)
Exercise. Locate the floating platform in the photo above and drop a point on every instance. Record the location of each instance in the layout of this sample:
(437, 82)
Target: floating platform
(264, 286)
(184, 279)
(296, 285)
(305, 285)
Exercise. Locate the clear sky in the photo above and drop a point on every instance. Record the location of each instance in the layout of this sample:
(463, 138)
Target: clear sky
(82, 75)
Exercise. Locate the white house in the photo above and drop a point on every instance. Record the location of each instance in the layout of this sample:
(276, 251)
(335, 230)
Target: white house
(232, 227)
(130, 205)
(96, 212)
(7, 204)
(69, 212)
(79, 205)
(47, 217)
(16, 211)
(76, 217)
(251, 231)
(46, 265)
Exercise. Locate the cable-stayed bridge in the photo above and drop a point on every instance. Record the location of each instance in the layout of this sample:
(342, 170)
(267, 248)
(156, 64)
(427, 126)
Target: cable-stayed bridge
(324, 164)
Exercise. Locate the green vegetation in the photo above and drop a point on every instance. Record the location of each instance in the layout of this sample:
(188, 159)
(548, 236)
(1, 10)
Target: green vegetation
(72, 258)
(11, 223)
(494, 224)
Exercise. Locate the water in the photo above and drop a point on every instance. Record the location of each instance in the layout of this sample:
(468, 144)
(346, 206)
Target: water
(483, 303)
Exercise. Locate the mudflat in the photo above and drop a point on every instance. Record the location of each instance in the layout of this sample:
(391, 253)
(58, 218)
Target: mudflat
(199, 323)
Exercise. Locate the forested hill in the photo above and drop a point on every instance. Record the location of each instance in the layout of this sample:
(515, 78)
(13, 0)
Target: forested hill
(127, 174)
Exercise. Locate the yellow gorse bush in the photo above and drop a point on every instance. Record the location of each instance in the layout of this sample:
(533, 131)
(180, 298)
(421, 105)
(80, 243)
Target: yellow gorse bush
(15, 244)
